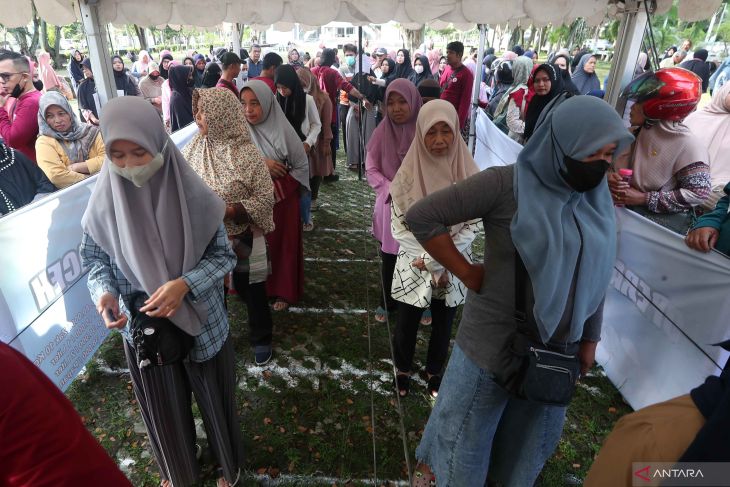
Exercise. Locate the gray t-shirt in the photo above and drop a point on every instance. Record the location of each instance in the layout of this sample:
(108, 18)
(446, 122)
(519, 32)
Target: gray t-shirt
(488, 318)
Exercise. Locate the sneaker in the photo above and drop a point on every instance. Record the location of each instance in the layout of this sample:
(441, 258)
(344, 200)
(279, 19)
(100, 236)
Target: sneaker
(262, 354)
(331, 178)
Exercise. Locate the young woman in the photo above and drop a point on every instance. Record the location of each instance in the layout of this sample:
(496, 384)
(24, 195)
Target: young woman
(552, 210)
(513, 105)
(86, 92)
(67, 150)
(198, 70)
(403, 64)
(181, 97)
(387, 148)
(225, 157)
(437, 159)
(421, 70)
(442, 68)
(157, 252)
(125, 82)
(546, 84)
(288, 165)
(21, 181)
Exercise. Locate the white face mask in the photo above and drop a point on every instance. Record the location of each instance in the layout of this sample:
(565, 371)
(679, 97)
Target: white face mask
(139, 175)
(418, 69)
(244, 73)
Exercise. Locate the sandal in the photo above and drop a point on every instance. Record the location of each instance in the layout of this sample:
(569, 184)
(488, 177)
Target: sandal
(423, 479)
(434, 383)
(381, 314)
(280, 305)
(426, 318)
(308, 227)
(403, 383)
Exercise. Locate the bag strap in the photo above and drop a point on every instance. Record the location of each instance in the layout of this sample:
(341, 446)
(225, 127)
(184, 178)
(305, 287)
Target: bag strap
(520, 287)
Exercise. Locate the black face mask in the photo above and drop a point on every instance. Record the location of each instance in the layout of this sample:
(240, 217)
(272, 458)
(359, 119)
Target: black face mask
(154, 77)
(583, 176)
(17, 91)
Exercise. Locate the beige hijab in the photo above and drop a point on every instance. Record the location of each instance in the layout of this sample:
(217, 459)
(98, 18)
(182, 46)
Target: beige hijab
(422, 173)
(711, 126)
(228, 161)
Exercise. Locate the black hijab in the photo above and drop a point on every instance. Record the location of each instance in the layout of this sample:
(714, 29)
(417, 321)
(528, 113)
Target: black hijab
(568, 84)
(539, 102)
(165, 73)
(404, 70)
(294, 106)
(181, 99)
(75, 67)
(87, 88)
(211, 75)
(121, 79)
(20, 180)
(416, 78)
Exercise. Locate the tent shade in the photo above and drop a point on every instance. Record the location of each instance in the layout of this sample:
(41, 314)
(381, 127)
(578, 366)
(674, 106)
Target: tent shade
(410, 13)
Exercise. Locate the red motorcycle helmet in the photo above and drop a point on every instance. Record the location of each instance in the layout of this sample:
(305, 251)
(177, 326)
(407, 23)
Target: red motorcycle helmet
(667, 94)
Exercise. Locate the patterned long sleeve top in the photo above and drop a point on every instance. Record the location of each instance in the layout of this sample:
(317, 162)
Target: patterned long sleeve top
(688, 188)
(205, 282)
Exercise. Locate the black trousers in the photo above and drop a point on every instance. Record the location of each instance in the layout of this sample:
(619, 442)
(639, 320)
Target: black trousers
(342, 112)
(387, 267)
(406, 330)
(333, 144)
(314, 184)
(261, 327)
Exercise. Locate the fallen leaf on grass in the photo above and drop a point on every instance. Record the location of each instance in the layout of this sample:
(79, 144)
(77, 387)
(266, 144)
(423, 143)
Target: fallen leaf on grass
(349, 401)
(612, 410)
(281, 429)
(302, 429)
(267, 421)
(274, 472)
(576, 465)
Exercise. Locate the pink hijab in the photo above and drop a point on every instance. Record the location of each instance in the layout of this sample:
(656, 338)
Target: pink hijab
(390, 142)
(46, 72)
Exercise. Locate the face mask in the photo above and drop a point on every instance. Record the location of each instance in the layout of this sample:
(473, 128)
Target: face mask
(244, 73)
(350, 60)
(154, 77)
(17, 91)
(418, 69)
(583, 176)
(141, 174)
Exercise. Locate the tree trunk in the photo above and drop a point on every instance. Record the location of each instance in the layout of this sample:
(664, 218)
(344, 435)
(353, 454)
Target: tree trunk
(414, 38)
(516, 37)
(528, 44)
(57, 58)
(139, 31)
(241, 28)
(44, 36)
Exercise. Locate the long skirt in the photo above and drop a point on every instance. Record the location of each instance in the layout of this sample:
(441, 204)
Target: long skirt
(353, 134)
(286, 250)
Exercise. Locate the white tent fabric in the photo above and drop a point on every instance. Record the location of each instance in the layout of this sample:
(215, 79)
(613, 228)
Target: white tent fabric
(493, 147)
(410, 13)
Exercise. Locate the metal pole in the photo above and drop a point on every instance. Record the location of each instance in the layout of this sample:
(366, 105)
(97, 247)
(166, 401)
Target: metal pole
(101, 63)
(363, 114)
(477, 86)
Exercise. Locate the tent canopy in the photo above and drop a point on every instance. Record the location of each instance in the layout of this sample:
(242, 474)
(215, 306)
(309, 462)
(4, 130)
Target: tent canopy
(411, 13)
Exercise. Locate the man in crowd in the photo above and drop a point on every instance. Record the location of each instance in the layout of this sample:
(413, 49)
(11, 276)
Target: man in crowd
(19, 124)
(457, 82)
(699, 66)
(347, 71)
(271, 62)
(255, 65)
(231, 65)
(673, 60)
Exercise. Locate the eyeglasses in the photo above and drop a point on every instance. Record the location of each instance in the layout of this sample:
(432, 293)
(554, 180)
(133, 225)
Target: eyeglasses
(5, 77)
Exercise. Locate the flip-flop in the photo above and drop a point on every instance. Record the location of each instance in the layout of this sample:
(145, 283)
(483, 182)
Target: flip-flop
(381, 314)
(423, 479)
(426, 318)
(280, 305)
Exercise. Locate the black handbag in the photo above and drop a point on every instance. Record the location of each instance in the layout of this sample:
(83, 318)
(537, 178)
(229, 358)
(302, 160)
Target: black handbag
(157, 341)
(529, 369)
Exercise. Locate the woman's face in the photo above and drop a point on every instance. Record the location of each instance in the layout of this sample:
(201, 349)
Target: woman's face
(398, 109)
(87, 72)
(294, 56)
(200, 65)
(188, 62)
(145, 59)
(77, 56)
(201, 122)
(442, 64)
(439, 139)
(252, 109)
(542, 83)
(590, 66)
(165, 63)
(605, 153)
(283, 90)
(58, 119)
(385, 68)
(124, 153)
(636, 115)
(118, 65)
(400, 57)
(561, 63)
(417, 62)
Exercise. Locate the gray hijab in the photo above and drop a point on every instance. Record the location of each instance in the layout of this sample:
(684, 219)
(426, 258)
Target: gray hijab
(583, 81)
(274, 135)
(78, 141)
(160, 231)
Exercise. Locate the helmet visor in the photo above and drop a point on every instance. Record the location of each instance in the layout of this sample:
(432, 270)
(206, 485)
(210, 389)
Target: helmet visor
(643, 87)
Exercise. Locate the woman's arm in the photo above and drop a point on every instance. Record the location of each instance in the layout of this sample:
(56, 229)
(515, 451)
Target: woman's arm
(514, 118)
(462, 240)
(693, 186)
(51, 163)
(217, 261)
(100, 279)
(315, 125)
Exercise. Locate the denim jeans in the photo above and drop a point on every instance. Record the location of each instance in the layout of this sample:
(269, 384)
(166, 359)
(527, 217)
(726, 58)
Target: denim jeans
(305, 206)
(476, 429)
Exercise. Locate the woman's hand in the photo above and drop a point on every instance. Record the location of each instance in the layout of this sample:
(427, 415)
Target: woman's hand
(702, 239)
(618, 187)
(307, 148)
(634, 197)
(587, 356)
(109, 305)
(166, 300)
(419, 264)
(474, 277)
(440, 279)
(79, 167)
(276, 169)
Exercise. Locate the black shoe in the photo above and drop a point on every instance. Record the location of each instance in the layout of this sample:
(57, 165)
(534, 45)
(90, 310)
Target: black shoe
(331, 178)
(353, 167)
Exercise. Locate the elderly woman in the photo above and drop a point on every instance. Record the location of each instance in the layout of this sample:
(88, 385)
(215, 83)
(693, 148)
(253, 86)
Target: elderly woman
(224, 155)
(151, 86)
(437, 159)
(67, 151)
(288, 165)
(544, 217)
(584, 76)
(157, 253)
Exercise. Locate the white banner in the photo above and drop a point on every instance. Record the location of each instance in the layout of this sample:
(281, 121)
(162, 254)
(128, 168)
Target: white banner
(666, 306)
(45, 309)
(493, 147)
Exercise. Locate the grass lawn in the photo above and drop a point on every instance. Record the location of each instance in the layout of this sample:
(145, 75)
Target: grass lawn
(325, 412)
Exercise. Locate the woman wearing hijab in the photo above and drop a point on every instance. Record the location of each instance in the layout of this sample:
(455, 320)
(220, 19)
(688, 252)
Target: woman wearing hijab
(188, 61)
(125, 82)
(87, 90)
(165, 60)
(387, 147)
(288, 165)
(546, 83)
(562, 61)
(223, 154)
(671, 172)
(141, 67)
(403, 64)
(198, 70)
(212, 75)
(181, 97)
(421, 70)
(584, 75)
(320, 157)
(51, 81)
(503, 83)
(557, 191)
(438, 158)
(641, 61)
(75, 69)
(151, 86)
(711, 126)
(513, 106)
(67, 150)
(301, 111)
(293, 59)
(158, 252)
(21, 180)
(443, 63)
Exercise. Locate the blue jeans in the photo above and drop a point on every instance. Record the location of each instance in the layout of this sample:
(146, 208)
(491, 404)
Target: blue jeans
(305, 206)
(476, 429)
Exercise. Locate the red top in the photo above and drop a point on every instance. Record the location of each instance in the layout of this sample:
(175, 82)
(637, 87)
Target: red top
(20, 132)
(331, 82)
(269, 82)
(44, 443)
(224, 83)
(457, 89)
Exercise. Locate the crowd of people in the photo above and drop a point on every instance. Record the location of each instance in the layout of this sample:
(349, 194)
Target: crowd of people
(227, 212)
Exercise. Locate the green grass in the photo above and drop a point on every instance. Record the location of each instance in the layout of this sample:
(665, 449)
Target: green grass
(308, 414)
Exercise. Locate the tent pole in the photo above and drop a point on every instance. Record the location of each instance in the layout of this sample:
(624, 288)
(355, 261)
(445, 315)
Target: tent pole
(477, 85)
(626, 52)
(101, 63)
(363, 114)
